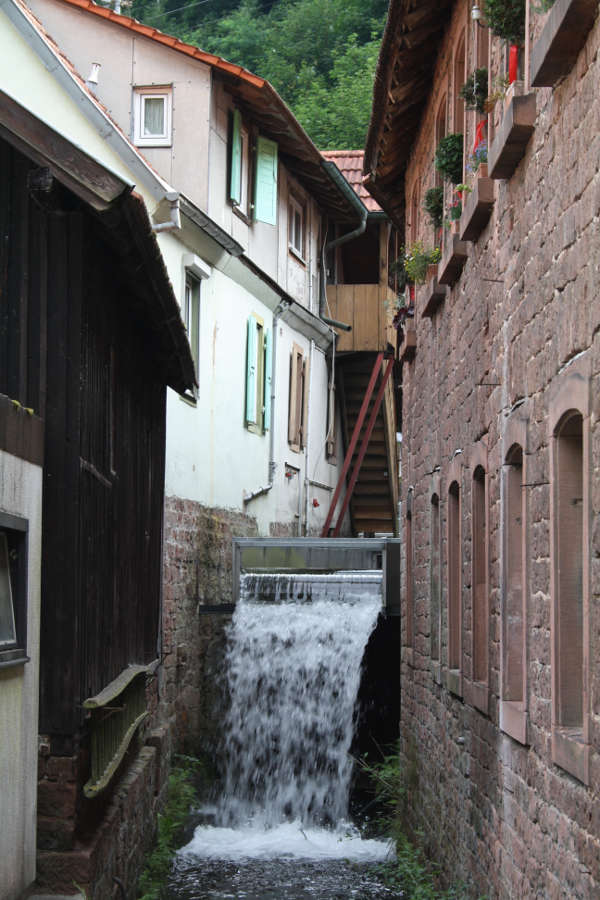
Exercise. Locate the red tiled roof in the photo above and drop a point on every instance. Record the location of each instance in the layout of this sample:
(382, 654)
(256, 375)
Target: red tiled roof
(167, 39)
(350, 164)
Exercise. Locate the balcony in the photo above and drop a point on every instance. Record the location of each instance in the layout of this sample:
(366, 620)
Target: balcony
(509, 144)
(431, 294)
(408, 347)
(564, 34)
(366, 307)
(477, 210)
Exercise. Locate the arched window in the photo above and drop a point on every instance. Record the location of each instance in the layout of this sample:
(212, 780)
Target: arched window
(434, 577)
(459, 80)
(440, 132)
(514, 670)
(479, 581)
(454, 578)
(414, 214)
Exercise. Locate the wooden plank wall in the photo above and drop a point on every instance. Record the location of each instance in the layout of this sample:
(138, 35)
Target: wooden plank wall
(72, 349)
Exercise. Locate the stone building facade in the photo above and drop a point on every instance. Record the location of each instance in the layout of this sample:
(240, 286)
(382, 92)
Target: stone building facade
(500, 717)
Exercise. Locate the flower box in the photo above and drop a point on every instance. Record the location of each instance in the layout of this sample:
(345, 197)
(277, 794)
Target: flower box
(454, 256)
(431, 294)
(564, 34)
(509, 145)
(477, 209)
(408, 347)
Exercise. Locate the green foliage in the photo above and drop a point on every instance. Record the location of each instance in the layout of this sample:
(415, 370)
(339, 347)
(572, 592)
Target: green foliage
(410, 873)
(449, 157)
(475, 90)
(181, 795)
(506, 19)
(320, 55)
(416, 260)
(434, 205)
(543, 7)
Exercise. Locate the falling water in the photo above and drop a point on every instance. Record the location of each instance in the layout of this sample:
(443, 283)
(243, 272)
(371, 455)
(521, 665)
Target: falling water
(293, 667)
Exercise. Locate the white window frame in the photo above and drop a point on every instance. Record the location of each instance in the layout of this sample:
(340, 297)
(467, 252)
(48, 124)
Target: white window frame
(195, 270)
(140, 95)
(296, 246)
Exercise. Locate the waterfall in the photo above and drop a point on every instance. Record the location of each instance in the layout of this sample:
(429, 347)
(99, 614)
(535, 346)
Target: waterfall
(293, 663)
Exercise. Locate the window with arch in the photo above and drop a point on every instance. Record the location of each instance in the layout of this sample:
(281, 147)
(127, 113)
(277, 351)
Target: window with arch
(440, 132)
(513, 711)
(479, 588)
(570, 587)
(434, 576)
(459, 80)
(454, 581)
(414, 214)
(410, 599)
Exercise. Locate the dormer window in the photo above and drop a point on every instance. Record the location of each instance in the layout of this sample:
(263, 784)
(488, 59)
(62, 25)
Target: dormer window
(152, 116)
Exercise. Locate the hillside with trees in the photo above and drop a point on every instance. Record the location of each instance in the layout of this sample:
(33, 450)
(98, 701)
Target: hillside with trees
(320, 55)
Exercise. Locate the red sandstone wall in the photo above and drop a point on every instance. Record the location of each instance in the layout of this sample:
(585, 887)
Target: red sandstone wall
(523, 316)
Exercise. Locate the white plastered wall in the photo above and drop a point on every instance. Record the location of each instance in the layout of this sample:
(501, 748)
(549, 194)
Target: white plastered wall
(20, 495)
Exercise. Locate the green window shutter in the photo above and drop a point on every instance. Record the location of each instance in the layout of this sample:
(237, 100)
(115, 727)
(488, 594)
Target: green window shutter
(251, 371)
(235, 184)
(268, 378)
(265, 184)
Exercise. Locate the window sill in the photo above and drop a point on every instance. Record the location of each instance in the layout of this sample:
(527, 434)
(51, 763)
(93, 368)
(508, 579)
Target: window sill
(190, 401)
(454, 257)
(10, 658)
(571, 752)
(477, 695)
(477, 210)
(297, 256)
(513, 720)
(566, 30)
(241, 215)
(153, 142)
(408, 348)
(431, 295)
(256, 429)
(509, 145)
(454, 682)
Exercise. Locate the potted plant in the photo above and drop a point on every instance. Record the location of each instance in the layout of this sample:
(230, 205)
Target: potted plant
(434, 206)
(477, 161)
(506, 19)
(449, 157)
(417, 259)
(475, 90)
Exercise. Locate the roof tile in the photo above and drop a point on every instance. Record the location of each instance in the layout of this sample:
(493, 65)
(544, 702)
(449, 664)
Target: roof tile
(350, 164)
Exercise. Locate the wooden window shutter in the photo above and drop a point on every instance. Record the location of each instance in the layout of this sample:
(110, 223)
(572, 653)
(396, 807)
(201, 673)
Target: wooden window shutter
(268, 339)
(295, 410)
(265, 185)
(304, 407)
(235, 183)
(251, 371)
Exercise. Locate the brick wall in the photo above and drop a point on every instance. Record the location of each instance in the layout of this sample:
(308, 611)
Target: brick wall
(521, 321)
(197, 573)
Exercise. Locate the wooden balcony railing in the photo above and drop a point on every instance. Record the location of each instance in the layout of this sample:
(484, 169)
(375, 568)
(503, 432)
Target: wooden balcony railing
(368, 308)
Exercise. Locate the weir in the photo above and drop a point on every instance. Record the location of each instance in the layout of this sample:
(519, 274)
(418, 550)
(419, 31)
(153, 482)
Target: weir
(307, 613)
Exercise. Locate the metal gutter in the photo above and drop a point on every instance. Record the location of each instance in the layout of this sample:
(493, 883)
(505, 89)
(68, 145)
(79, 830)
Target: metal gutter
(204, 222)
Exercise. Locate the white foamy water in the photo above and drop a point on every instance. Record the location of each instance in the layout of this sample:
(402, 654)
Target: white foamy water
(293, 669)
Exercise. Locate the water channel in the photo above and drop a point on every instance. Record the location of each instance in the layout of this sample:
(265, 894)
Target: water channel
(281, 827)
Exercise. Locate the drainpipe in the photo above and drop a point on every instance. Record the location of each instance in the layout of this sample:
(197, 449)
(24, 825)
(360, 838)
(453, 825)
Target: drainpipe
(306, 441)
(174, 216)
(362, 211)
(250, 495)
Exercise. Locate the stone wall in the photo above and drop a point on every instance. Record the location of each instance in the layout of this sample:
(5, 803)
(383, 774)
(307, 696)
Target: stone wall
(521, 324)
(197, 575)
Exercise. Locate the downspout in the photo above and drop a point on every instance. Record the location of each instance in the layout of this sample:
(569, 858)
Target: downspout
(174, 220)
(251, 495)
(362, 211)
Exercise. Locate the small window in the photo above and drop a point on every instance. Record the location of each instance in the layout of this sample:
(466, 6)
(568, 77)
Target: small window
(296, 227)
(298, 412)
(191, 317)
(239, 178)
(479, 583)
(152, 116)
(258, 376)
(13, 589)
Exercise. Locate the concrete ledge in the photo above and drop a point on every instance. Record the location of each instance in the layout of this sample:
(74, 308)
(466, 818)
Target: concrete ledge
(556, 50)
(512, 137)
(477, 210)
